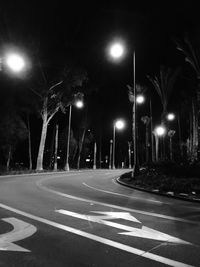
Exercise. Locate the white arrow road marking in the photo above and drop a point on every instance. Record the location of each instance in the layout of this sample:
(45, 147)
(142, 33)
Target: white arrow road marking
(105, 241)
(21, 230)
(138, 230)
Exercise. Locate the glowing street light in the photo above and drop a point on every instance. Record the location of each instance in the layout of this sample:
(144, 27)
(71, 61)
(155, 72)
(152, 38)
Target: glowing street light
(79, 104)
(116, 50)
(15, 62)
(160, 130)
(170, 116)
(119, 125)
(140, 99)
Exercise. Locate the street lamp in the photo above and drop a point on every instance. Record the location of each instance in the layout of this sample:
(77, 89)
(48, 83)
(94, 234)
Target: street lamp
(14, 61)
(170, 116)
(79, 104)
(119, 125)
(110, 159)
(140, 99)
(117, 51)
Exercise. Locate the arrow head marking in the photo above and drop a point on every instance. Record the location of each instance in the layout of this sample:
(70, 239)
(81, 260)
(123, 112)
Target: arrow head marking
(21, 230)
(150, 233)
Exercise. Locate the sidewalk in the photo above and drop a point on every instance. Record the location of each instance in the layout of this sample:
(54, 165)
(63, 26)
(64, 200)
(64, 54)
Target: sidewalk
(183, 196)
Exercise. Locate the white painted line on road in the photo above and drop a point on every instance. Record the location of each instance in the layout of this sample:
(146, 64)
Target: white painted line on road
(99, 239)
(21, 230)
(138, 230)
(118, 194)
(39, 184)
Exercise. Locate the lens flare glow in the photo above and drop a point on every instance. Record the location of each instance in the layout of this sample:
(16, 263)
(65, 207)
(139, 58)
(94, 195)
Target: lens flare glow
(79, 103)
(15, 62)
(116, 50)
(119, 124)
(140, 99)
(170, 116)
(160, 130)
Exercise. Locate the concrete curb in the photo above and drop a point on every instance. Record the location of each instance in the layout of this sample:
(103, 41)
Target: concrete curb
(156, 193)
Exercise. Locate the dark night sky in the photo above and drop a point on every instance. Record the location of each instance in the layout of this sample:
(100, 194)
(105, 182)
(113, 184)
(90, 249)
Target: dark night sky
(84, 30)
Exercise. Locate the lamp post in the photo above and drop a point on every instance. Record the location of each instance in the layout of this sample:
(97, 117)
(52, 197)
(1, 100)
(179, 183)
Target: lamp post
(79, 104)
(95, 156)
(110, 159)
(135, 162)
(119, 124)
(117, 51)
(129, 155)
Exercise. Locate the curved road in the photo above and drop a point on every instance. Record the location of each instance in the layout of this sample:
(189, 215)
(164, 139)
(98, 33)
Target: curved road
(85, 218)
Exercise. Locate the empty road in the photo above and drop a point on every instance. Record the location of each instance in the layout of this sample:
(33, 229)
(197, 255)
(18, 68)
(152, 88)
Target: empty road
(85, 218)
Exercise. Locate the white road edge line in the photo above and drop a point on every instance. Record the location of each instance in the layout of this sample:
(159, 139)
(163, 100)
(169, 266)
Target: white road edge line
(99, 239)
(39, 184)
(118, 194)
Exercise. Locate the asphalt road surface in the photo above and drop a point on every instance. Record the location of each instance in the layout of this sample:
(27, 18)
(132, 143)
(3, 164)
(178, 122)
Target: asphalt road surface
(85, 218)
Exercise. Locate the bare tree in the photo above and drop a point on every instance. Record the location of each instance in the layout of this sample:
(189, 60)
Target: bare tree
(55, 96)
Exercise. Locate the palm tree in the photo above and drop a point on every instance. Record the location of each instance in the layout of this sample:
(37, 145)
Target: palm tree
(192, 56)
(164, 85)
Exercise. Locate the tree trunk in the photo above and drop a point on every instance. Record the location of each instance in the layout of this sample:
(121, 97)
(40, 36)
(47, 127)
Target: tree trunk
(147, 143)
(80, 148)
(95, 156)
(56, 149)
(39, 166)
(194, 132)
(157, 144)
(198, 121)
(52, 151)
(29, 143)
(100, 145)
(179, 136)
(170, 149)
(9, 158)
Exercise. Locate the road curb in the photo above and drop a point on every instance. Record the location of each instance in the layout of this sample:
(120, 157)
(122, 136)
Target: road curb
(155, 193)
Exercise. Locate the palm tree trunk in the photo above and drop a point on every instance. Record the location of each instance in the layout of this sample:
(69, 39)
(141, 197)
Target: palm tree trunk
(147, 143)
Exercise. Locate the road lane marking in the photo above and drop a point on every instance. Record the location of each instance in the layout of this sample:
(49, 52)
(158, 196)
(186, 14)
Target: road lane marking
(99, 239)
(21, 230)
(139, 230)
(39, 184)
(118, 194)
